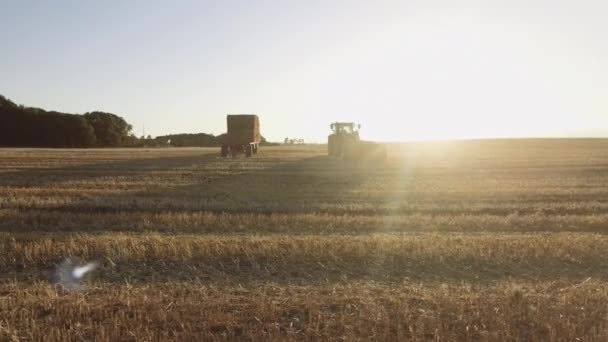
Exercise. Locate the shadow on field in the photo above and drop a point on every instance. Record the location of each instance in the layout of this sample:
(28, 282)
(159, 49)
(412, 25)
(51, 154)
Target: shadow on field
(202, 193)
(82, 173)
(185, 185)
(343, 267)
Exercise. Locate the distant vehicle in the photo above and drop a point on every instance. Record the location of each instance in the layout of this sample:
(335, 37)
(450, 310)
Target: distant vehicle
(344, 142)
(343, 134)
(243, 135)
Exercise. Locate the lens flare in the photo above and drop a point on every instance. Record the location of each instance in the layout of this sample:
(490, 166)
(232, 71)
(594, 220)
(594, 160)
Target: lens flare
(70, 273)
(80, 271)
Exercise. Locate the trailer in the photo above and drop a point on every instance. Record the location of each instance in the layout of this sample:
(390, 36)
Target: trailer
(243, 135)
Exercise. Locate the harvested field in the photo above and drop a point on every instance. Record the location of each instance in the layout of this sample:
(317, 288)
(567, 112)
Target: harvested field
(474, 241)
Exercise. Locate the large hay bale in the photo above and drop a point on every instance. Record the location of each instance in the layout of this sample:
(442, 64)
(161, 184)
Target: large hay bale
(242, 129)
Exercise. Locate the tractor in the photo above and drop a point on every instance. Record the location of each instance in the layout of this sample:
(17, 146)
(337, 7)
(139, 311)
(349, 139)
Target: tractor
(344, 142)
(343, 134)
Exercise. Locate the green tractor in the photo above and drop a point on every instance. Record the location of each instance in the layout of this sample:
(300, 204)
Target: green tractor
(344, 142)
(344, 134)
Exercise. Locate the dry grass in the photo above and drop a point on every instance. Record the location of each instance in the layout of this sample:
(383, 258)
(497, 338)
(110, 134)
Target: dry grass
(352, 310)
(478, 241)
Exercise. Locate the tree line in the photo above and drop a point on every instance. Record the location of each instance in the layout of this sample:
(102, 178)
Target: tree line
(186, 139)
(193, 140)
(22, 126)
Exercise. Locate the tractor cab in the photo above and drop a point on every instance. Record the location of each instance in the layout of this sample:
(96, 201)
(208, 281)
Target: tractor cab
(348, 128)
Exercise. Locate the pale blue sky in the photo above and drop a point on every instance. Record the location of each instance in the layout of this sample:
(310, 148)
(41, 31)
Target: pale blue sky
(403, 69)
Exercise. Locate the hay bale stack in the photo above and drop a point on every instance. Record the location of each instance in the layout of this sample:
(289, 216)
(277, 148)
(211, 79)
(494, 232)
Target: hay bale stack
(242, 129)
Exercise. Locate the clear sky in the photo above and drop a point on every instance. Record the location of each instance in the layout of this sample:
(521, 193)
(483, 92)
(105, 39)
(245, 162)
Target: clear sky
(405, 70)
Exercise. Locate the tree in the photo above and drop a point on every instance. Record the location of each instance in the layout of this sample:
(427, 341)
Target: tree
(35, 127)
(110, 129)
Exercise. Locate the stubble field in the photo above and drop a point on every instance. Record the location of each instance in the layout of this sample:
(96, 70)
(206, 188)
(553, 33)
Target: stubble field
(473, 241)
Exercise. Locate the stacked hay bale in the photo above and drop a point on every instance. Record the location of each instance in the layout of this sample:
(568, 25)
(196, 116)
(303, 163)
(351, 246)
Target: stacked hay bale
(243, 129)
(243, 135)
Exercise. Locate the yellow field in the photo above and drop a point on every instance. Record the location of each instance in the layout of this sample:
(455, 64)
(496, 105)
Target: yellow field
(473, 241)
